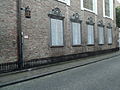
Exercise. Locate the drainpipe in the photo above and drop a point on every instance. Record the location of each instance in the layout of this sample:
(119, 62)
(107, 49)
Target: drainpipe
(19, 35)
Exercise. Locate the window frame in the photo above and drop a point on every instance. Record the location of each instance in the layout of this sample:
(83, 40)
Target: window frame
(56, 14)
(100, 24)
(95, 11)
(67, 2)
(90, 21)
(91, 44)
(51, 42)
(109, 43)
(75, 18)
(80, 34)
(109, 27)
(110, 9)
(103, 35)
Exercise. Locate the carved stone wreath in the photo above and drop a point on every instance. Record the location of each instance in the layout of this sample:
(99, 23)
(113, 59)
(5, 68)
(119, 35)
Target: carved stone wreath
(90, 21)
(56, 13)
(100, 23)
(109, 25)
(76, 18)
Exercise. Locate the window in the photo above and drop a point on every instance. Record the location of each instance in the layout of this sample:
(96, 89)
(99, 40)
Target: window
(76, 29)
(56, 19)
(101, 35)
(108, 8)
(90, 34)
(109, 35)
(76, 33)
(65, 1)
(90, 31)
(89, 5)
(57, 32)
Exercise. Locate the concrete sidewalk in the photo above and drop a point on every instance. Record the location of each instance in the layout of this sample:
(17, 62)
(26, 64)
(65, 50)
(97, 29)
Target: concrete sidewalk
(20, 76)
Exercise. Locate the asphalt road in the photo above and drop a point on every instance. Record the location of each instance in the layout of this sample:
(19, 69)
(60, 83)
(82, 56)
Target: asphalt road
(103, 75)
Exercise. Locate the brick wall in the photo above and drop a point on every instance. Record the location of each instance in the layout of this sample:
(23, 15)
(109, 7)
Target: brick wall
(37, 28)
(8, 34)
